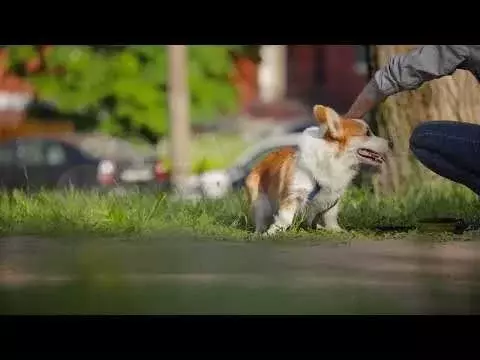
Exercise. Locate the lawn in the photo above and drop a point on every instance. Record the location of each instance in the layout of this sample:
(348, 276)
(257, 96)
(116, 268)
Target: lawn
(74, 212)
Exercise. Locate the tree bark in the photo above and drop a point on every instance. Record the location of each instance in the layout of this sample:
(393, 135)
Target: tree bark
(455, 97)
(272, 73)
(179, 114)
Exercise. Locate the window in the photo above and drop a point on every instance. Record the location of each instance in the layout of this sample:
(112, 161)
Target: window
(7, 155)
(30, 153)
(361, 65)
(55, 155)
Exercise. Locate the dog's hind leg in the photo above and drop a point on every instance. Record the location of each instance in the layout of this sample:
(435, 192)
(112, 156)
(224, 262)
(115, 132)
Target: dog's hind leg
(262, 213)
(260, 207)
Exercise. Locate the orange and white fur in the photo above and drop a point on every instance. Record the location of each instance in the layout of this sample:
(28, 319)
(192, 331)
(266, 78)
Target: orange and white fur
(313, 177)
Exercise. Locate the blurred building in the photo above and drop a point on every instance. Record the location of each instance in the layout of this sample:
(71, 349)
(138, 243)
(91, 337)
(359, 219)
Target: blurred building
(15, 94)
(16, 98)
(315, 74)
(330, 74)
(326, 74)
(303, 75)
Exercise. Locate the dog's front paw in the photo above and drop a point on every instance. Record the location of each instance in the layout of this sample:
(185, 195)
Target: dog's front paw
(272, 230)
(337, 229)
(334, 228)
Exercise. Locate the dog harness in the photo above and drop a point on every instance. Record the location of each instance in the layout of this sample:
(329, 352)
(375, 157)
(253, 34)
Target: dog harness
(316, 189)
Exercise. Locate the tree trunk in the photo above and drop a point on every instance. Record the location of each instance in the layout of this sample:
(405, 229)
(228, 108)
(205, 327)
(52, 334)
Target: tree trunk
(179, 114)
(454, 97)
(272, 74)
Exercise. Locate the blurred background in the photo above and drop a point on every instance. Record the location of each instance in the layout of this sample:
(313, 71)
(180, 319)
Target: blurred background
(108, 113)
(76, 115)
(196, 119)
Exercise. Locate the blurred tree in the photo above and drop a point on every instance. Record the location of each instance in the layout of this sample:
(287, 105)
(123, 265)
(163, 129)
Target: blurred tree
(454, 97)
(124, 87)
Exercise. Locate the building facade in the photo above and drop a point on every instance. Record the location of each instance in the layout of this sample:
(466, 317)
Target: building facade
(316, 74)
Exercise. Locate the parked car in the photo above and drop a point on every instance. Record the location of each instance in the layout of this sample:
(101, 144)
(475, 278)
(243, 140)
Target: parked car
(79, 161)
(126, 164)
(299, 127)
(253, 155)
(217, 183)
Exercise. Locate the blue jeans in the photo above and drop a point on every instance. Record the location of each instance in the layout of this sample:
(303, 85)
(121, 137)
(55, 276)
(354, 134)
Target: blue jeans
(450, 149)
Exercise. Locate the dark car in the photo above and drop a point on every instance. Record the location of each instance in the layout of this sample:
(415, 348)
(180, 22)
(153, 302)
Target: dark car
(124, 163)
(74, 160)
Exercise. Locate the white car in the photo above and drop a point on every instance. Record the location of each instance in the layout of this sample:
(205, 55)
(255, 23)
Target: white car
(217, 183)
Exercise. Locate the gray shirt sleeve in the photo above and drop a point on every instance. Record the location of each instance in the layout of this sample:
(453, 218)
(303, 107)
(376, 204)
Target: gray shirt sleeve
(409, 71)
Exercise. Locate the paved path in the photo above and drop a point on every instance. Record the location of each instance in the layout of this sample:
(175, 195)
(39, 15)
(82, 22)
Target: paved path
(188, 276)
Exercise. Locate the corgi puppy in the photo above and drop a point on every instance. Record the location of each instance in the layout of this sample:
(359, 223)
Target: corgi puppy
(313, 177)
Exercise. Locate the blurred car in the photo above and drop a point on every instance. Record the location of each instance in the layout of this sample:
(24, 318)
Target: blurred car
(217, 183)
(298, 127)
(80, 161)
(253, 155)
(125, 164)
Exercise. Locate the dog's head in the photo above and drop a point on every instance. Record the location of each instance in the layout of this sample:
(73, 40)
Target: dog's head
(351, 137)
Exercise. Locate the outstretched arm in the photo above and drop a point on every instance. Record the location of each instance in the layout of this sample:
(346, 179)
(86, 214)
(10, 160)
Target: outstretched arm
(407, 72)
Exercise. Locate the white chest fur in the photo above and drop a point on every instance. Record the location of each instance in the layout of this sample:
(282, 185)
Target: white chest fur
(318, 161)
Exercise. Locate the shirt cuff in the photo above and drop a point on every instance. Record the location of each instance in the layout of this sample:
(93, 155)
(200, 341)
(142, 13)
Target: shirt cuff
(373, 92)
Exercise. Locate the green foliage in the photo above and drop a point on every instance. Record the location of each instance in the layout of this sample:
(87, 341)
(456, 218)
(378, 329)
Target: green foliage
(209, 151)
(127, 86)
(199, 164)
(202, 166)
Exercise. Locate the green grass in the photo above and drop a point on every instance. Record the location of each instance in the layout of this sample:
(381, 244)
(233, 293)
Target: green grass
(78, 213)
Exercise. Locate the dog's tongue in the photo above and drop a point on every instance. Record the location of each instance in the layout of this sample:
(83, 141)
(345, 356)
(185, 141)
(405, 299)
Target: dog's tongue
(367, 153)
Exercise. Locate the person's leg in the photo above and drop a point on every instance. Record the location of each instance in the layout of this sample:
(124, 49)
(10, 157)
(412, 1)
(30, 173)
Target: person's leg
(450, 149)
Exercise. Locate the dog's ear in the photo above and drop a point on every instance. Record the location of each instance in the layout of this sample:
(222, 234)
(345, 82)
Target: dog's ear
(328, 116)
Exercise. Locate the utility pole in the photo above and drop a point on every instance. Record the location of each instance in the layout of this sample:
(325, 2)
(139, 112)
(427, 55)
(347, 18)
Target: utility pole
(272, 72)
(178, 98)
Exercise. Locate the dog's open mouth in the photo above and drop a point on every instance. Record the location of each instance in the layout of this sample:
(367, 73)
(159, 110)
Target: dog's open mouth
(371, 155)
